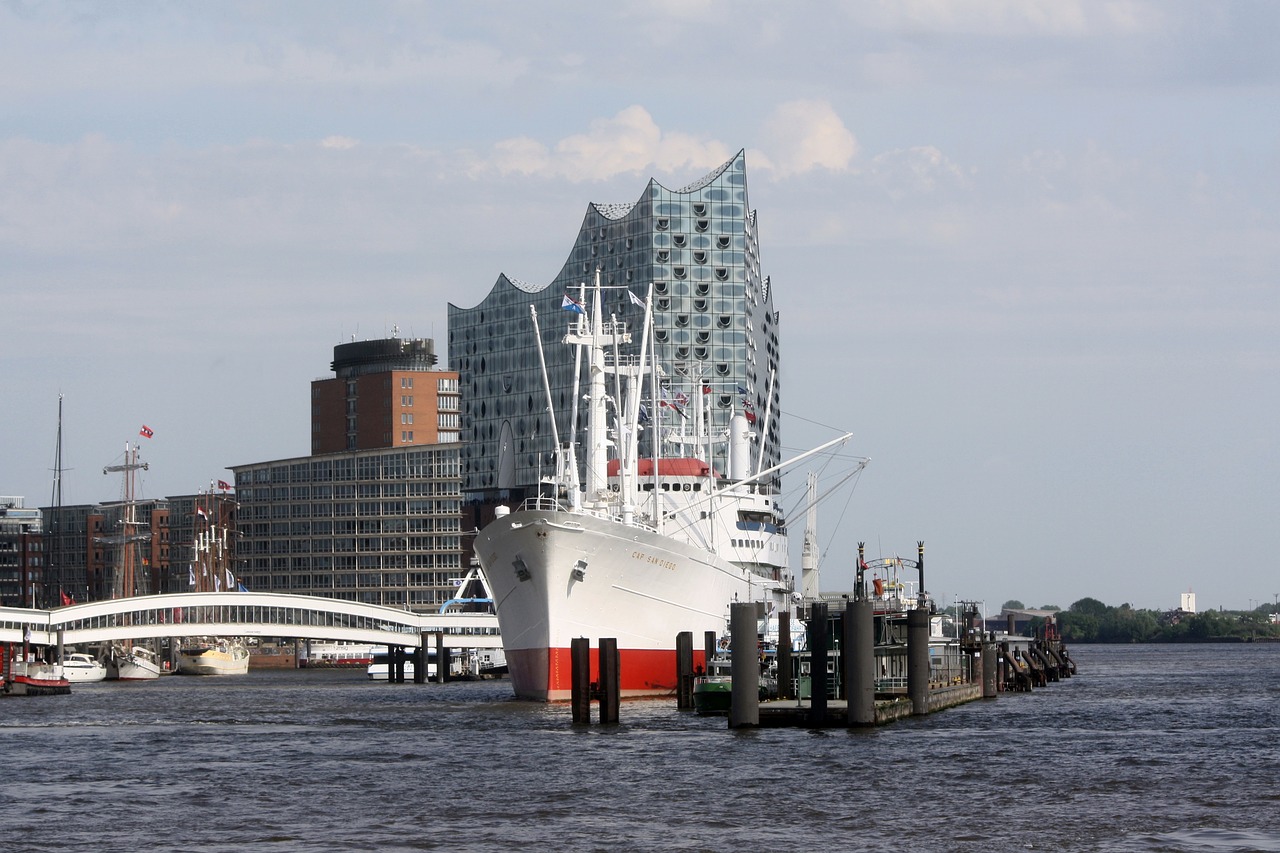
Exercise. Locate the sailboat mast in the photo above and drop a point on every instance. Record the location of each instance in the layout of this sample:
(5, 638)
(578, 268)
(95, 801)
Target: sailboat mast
(54, 571)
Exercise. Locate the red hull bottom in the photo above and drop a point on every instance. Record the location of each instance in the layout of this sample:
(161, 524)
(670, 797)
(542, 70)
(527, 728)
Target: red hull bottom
(545, 675)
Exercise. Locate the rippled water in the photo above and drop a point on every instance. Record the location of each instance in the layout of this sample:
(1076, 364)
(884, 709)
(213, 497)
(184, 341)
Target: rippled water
(1149, 748)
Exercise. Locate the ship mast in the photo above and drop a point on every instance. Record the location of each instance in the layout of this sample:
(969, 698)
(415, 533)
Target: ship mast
(124, 585)
(809, 556)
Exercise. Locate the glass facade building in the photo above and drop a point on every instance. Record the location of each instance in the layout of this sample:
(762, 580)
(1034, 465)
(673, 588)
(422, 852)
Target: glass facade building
(715, 329)
(376, 526)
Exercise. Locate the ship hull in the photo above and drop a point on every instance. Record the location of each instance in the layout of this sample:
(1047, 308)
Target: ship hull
(558, 575)
(232, 660)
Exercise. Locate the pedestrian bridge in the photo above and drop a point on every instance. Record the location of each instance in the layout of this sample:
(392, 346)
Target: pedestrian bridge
(246, 614)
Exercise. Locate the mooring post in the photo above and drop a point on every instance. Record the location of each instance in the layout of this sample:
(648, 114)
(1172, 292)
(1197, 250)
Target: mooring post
(785, 665)
(610, 680)
(819, 642)
(684, 670)
(708, 650)
(918, 659)
(442, 659)
(580, 679)
(61, 648)
(420, 659)
(990, 671)
(744, 702)
(395, 664)
(861, 680)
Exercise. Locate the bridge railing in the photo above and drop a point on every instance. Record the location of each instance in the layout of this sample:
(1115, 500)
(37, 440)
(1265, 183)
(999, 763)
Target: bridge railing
(243, 613)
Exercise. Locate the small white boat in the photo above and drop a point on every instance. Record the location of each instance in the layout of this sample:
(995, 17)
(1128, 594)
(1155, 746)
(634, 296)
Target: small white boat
(214, 656)
(134, 663)
(79, 668)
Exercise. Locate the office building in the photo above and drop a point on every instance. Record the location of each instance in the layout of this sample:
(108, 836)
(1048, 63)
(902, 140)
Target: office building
(715, 329)
(21, 554)
(373, 515)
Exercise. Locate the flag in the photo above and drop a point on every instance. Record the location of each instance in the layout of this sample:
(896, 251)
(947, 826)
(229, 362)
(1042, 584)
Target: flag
(644, 414)
(191, 575)
(224, 485)
(26, 634)
(743, 391)
(217, 584)
(146, 431)
(67, 600)
(706, 389)
(241, 588)
(571, 304)
(230, 580)
(635, 300)
(200, 512)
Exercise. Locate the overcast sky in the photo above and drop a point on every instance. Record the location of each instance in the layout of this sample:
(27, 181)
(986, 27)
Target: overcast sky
(1027, 251)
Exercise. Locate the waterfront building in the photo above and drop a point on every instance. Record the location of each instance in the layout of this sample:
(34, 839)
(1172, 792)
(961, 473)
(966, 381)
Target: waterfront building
(373, 515)
(715, 335)
(386, 393)
(376, 526)
(21, 554)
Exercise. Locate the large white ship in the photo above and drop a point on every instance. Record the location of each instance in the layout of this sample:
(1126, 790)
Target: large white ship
(639, 553)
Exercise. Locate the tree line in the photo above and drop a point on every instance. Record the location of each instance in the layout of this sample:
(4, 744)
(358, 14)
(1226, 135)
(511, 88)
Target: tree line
(1091, 621)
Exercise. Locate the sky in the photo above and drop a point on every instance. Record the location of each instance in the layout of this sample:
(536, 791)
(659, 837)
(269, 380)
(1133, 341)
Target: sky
(1026, 251)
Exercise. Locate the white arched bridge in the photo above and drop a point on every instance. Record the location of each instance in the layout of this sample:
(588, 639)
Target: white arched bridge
(246, 614)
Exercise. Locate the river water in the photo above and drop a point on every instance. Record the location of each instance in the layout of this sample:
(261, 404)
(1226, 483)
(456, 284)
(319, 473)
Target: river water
(1148, 748)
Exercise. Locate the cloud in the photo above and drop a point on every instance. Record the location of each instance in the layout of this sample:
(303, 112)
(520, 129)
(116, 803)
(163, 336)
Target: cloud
(803, 136)
(339, 143)
(915, 170)
(628, 143)
(1012, 18)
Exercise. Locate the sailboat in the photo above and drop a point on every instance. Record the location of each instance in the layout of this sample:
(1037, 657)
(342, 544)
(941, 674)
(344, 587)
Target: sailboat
(129, 660)
(642, 551)
(210, 571)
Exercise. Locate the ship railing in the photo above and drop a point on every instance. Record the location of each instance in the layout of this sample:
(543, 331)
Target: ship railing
(541, 503)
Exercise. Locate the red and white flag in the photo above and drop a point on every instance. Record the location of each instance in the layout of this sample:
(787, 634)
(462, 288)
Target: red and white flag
(146, 431)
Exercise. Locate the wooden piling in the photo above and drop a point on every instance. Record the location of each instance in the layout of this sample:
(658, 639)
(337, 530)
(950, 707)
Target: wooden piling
(684, 671)
(819, 643)
(990, 671)
(708, 649)
(744, 705)
(860, 676)
(420, 659)
(580, 679)
(918, 660)
(785, 666)
(610, 680)
(442, 659)
(395, 664)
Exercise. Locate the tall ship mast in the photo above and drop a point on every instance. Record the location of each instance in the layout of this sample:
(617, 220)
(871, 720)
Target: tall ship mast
(127, 581)
(633, 550)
